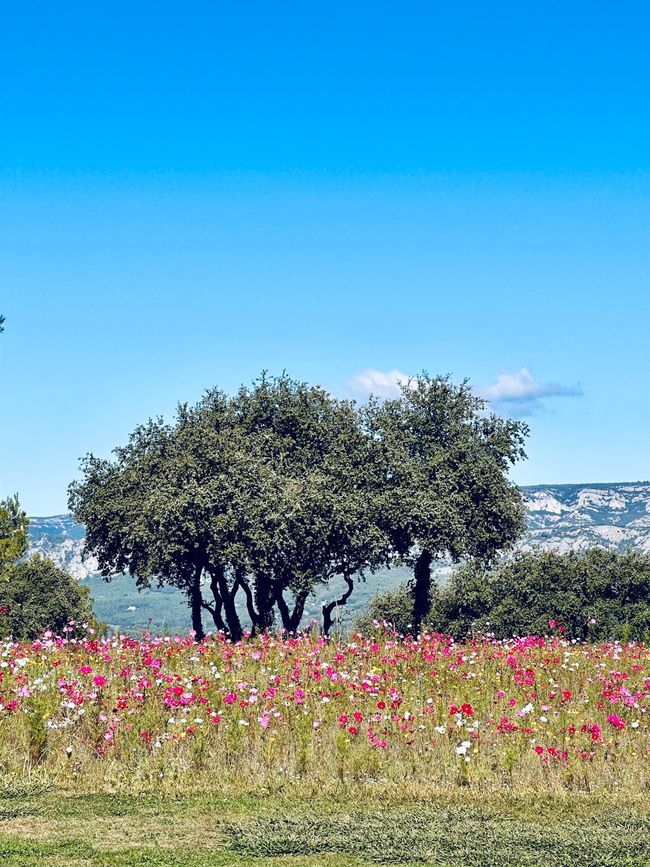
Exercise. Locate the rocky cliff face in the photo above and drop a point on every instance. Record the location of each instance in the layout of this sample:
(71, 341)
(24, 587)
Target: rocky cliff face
(576, 517)
(562, 517)
(60, 539)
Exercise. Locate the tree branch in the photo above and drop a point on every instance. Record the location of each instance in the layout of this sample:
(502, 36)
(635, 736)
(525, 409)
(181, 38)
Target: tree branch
(330, 606)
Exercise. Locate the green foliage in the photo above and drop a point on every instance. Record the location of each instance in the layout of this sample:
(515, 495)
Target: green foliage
(274, 492)
(523, 595)
(267, 493)
(394, 607)
(35, 595)
(14, 528)
(446, 488)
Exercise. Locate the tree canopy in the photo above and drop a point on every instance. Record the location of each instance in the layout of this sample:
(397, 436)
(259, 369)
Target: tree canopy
(267, 494)
(14, 530)
(446, 490)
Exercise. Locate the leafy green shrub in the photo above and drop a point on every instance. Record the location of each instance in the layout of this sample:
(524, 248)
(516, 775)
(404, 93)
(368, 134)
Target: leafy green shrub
(599, 594)
(393, 606)
(36, 595)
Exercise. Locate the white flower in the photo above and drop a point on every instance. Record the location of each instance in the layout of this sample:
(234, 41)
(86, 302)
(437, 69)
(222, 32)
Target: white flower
(635, 724)
(441, 730)
(462, 749)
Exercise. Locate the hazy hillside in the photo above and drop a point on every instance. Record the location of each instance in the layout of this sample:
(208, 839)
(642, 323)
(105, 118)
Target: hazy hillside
(562, 517)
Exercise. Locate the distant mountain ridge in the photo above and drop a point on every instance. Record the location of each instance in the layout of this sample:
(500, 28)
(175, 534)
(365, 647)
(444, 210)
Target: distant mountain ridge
(576, 517)
(559, 517)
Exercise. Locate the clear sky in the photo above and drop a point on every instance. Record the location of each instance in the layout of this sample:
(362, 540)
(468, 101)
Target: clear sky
(192, 192)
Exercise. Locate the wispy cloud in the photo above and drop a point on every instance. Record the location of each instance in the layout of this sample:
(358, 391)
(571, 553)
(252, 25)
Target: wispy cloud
(521, 394)
(515, 394)
(378, 382)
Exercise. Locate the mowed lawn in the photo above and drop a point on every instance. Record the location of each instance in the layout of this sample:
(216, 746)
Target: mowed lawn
(346, 827)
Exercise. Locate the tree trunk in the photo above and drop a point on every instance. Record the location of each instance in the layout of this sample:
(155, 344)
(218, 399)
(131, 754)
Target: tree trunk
(264, 601)
(196, 604)
(298, 610)
(228, 597)
(328, 608)
(291, 619)
(216, 610)
(252, 613)
(421, 589)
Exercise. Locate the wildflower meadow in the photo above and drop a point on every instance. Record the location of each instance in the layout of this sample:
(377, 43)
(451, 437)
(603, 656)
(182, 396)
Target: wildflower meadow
(376, 749)
(135, 712)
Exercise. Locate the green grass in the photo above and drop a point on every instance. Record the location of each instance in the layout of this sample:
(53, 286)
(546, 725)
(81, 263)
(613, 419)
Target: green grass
(347, 828)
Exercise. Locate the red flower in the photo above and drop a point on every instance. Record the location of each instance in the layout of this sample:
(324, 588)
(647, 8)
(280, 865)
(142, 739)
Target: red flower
(467, 709)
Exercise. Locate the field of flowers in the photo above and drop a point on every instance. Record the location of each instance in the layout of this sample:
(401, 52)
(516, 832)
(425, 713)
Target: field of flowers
(166, 713)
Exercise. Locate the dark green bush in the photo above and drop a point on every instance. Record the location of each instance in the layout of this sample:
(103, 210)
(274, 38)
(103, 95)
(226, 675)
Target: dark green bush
(599, 594)
(36, 595)
(393, 606)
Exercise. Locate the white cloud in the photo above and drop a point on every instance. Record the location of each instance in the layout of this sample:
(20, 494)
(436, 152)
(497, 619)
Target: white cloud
(517, 393)
(522, 392)
(378, 382)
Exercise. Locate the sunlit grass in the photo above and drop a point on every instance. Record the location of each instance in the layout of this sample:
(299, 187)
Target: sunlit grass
(350, 827)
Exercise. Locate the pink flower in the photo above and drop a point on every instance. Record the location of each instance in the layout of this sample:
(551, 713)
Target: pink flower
(85, 669)
(99, 680)
(263, 720)
(616, 721)
(230, 698)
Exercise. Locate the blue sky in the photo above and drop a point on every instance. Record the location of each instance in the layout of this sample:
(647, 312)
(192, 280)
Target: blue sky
(191, 193)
